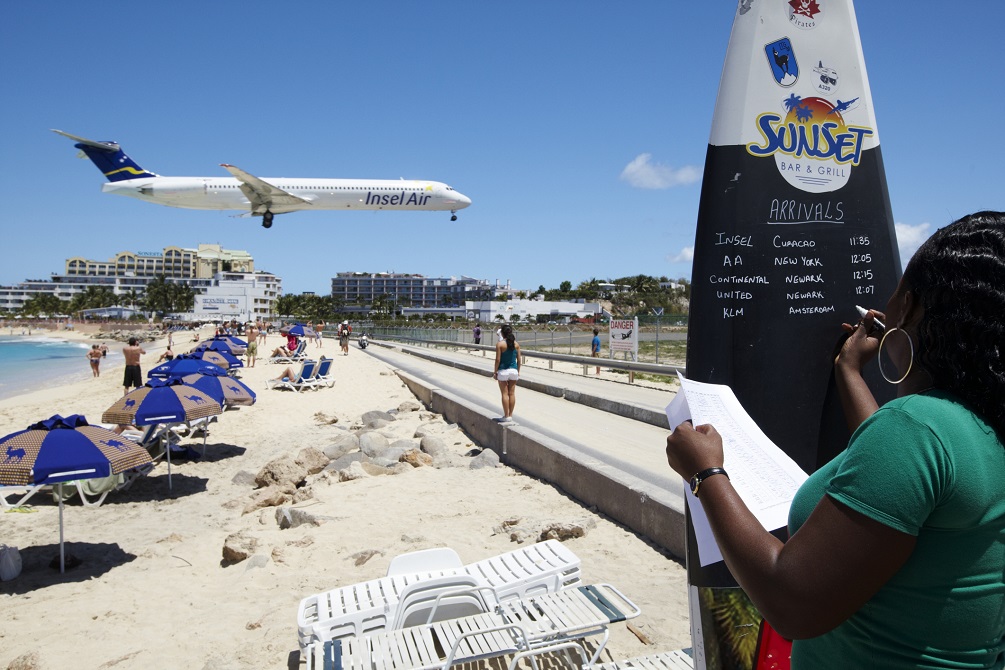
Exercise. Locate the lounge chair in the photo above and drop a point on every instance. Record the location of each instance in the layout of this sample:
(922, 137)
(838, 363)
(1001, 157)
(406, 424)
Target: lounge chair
(667, 660)
(543, 567)
(322, 375)
(296, 355)
(92, 492)
(300, 381)
(514, 625)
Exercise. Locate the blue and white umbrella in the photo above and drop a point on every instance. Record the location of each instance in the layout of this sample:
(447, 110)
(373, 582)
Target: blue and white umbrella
(186, 364)
(164, 401)
(62, 449)
(222, 344)
(224, 359)
(298, 329)
(226, 390)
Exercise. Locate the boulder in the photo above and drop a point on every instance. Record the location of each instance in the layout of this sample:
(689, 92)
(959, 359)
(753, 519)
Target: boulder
(26, 661)
(354, 471)
(372, 443)
(416, 458)
(343, 444)
(566, 531)
(344, 462)
(432, 445)
(291, 517)
(486, 459)
(377, 469)
(409, 406)
(312, 459)
(376, 415)
(427, 429)
(282, 470)
(404, 444)
(270, 496)
(238, 547)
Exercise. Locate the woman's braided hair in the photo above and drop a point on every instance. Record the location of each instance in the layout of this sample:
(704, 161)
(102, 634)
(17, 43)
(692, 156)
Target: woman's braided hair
(958, 274)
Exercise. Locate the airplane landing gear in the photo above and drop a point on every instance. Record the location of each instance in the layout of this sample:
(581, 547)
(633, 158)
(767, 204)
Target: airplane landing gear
(267, 220)
(453, 215)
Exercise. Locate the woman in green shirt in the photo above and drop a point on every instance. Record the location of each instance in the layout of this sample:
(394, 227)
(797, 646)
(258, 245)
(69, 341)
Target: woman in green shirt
(896, 555)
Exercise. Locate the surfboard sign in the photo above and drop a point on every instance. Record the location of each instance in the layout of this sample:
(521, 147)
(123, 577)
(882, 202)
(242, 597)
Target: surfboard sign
(794, 230)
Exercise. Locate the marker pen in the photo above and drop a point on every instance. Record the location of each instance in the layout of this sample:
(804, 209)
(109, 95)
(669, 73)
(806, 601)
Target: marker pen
(862, 311)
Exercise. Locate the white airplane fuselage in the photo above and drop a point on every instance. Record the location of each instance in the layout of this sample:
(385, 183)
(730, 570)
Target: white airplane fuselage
(224, 193)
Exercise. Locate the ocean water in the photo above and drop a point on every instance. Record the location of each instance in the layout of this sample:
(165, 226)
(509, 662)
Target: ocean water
(30, 363)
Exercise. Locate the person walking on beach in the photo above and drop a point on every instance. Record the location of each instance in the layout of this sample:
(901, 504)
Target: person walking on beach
(133, 377)
(318, 332)
(252, 350)
(104, 350)
(595, 346)
(507, 370)
(343, 337)
(94, 356)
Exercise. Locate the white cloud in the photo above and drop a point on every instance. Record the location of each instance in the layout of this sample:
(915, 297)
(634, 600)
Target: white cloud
(686, 255)
(643, 173)
(909, 238)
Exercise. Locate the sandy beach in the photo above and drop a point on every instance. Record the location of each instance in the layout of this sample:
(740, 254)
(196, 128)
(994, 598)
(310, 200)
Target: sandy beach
(153, 589)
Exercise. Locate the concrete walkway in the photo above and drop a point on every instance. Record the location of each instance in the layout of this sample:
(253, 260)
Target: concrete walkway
(601, 441)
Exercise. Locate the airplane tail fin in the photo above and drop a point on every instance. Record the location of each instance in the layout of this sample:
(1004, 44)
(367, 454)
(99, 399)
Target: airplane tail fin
(109, 158)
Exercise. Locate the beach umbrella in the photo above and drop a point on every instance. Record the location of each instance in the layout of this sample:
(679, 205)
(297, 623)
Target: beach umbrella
(223, 345)
(232, 339)
(222, 358)
(164, 401)
(186, 364)
(59, 450)
(298, 329)
(223, 388)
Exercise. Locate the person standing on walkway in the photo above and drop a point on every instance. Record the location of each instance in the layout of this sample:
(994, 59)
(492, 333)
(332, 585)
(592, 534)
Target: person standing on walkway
(595, 346)
(477, 333)
(94, 356)
(507, 370)
(133, 377)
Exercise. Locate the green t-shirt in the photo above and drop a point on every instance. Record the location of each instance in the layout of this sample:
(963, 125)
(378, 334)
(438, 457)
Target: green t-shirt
(927, 466)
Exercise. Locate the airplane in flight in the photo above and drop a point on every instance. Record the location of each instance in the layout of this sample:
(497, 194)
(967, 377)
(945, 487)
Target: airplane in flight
(264, 197)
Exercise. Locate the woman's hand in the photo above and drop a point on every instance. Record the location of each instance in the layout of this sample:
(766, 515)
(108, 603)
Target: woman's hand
(862, 343)
(691, 450)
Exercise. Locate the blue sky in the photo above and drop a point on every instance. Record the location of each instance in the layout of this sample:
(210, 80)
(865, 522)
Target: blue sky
(579, 129)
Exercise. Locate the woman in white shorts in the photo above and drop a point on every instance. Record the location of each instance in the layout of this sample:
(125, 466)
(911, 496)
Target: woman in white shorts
(507, 370)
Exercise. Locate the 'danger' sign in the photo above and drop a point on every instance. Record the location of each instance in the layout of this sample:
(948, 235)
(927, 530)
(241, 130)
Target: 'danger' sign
(624, 336)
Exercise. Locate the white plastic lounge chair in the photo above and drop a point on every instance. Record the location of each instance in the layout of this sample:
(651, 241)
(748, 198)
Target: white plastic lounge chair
(524, 624)
(425, 560)
(667, 660)
(544, 567)
(298, 382)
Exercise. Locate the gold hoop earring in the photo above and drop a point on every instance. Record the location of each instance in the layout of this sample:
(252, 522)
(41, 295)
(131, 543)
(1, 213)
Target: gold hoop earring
(879, 355)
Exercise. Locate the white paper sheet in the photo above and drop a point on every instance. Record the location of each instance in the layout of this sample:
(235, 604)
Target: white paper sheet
(763, 475)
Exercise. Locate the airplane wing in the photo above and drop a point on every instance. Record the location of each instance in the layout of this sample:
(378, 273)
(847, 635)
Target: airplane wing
(262, 194)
